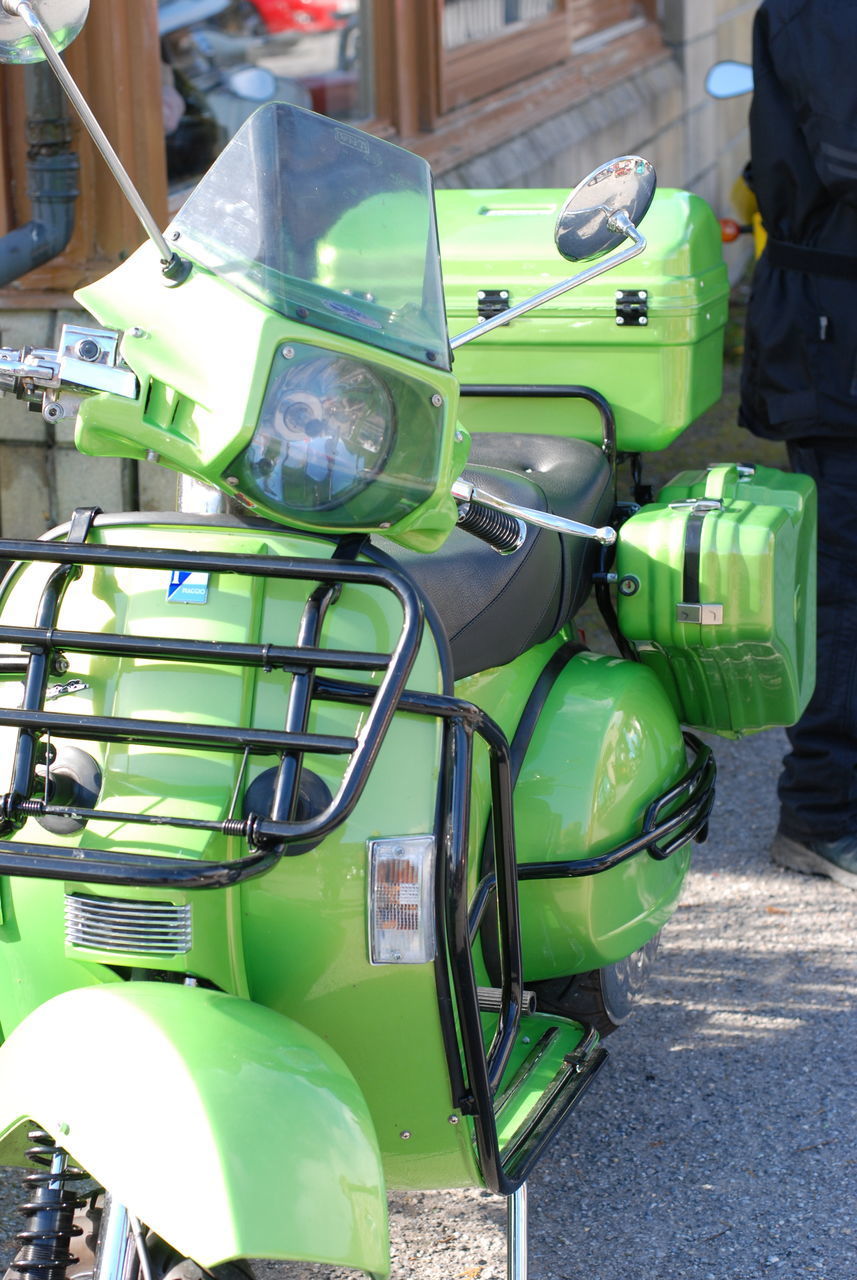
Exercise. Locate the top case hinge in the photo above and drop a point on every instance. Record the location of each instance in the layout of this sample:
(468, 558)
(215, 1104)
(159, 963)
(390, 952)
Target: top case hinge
(632, 306)
(490, 302)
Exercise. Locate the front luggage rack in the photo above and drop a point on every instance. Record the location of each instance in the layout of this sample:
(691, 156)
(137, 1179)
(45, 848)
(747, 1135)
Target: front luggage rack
(43, 650)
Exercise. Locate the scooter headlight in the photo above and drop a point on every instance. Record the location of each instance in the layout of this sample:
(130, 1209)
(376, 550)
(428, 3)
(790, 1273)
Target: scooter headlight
(340, 442)
(326, 430)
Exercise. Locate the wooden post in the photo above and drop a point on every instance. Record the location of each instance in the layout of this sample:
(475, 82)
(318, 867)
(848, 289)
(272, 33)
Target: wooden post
(116, 64)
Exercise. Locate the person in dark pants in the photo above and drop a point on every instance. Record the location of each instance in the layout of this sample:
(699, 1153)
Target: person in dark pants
(799, 381)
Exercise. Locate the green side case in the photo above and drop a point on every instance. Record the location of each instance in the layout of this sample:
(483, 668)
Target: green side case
(717, 591)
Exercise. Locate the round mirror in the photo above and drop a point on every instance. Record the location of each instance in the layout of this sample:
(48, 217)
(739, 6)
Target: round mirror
(584, 227)
(253, 84)
(61, 20)
(729, 80)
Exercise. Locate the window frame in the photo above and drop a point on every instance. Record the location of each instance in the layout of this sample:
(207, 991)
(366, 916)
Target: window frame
(448, 105)
(480, 68)
(516, 81)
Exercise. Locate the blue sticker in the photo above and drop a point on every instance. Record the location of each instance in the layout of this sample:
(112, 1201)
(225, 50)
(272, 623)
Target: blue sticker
(353, 314)
(187, 587)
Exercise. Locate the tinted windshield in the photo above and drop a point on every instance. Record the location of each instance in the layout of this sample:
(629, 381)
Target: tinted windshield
(326, 225)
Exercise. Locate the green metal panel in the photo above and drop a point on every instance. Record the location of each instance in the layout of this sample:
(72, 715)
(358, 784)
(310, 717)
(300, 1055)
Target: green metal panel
(755, 667)
(305, 937)
(230, 1130)
(296, 939)
(607, 743)
(657, 376)
(541, 1049)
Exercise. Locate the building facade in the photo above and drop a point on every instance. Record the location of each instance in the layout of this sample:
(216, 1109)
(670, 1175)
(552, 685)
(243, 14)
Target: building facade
(493, 93)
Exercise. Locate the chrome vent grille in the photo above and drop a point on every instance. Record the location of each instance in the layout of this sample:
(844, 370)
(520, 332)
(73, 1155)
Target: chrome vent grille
(117, 924)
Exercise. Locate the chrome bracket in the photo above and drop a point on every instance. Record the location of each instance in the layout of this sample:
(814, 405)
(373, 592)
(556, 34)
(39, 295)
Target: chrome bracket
(707, 615)
(88, 362)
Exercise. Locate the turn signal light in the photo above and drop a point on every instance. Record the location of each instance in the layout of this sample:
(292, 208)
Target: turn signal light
(401, 900)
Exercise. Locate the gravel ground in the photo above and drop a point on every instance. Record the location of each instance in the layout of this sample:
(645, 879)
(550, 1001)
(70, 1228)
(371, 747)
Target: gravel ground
(720, 1140)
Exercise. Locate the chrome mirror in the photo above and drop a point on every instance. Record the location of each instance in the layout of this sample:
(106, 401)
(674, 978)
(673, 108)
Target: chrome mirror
(594, 218)
(729, 80)
(62, 19)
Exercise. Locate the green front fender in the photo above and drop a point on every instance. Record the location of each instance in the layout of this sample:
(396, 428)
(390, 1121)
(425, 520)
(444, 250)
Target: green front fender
(229, 1129)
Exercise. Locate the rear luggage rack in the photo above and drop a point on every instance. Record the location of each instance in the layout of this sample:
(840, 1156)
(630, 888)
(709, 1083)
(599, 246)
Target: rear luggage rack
(45, 644)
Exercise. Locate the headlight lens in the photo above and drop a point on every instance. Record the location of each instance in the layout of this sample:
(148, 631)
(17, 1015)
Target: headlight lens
(327, 427)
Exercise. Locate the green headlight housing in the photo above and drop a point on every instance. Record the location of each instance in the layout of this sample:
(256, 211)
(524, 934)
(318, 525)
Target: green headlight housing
(340, 441)
(217, 367)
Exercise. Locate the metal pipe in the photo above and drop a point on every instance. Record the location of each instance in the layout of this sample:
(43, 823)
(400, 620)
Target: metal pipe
(174, 266)
(516, 1234)
(115, 1242)
(52, 181)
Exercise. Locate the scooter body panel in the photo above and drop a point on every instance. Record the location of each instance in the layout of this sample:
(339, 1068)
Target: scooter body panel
(606, 742)
(295, 940)
(229, 1129)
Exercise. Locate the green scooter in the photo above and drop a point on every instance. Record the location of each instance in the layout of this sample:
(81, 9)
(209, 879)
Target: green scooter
(328, 850)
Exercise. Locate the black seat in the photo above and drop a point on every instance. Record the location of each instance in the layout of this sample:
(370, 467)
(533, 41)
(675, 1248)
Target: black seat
(494, 607)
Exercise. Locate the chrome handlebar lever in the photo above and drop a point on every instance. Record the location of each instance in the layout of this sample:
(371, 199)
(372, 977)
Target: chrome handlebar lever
(465, 492)
(85, 363)
(27, 369)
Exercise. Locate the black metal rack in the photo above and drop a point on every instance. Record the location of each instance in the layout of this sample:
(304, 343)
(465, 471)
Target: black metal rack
(671, 821)
(268, 836)
(552, 391)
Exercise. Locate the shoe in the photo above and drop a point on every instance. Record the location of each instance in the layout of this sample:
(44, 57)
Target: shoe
(836, 859)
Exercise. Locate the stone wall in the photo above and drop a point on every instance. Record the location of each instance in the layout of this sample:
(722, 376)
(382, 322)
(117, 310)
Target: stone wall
(42, 476)
(662, 112)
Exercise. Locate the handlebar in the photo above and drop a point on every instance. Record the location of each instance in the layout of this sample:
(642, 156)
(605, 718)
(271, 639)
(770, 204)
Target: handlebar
(40, 366)
(467, 494)
(85, 361)
(505, 533)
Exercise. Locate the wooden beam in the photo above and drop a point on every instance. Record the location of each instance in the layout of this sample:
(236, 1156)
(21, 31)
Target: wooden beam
(116, 63)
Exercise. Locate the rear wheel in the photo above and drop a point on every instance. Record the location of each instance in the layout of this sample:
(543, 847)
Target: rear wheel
(602, 998)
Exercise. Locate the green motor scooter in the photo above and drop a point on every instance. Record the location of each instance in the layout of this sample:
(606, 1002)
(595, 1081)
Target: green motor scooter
(328, 849)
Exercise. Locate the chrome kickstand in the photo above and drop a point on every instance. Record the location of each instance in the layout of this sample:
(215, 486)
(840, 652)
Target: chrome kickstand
(516, 1234)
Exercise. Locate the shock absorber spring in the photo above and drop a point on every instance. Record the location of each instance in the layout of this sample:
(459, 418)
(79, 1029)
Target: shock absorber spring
(504, 532)
(49, 1211)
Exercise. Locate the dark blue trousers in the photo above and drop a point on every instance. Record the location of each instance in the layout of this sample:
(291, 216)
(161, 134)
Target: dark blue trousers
(818, 785)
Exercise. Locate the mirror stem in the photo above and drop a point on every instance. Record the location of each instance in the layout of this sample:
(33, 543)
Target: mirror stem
(174, 267)
(619, 221)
